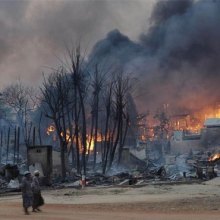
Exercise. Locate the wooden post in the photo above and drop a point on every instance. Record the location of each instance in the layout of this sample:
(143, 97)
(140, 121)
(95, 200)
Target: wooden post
(8, 140)
(18, 144)
(39, 129)
(15, 143)
(83, 181)
(33, 137)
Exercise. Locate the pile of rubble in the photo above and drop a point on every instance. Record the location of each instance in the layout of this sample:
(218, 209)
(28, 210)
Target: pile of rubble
(167, 169)
(9, 178)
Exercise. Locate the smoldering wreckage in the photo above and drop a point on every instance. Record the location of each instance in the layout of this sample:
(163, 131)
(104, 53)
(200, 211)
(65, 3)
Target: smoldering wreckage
(150, 162)
(181, 157)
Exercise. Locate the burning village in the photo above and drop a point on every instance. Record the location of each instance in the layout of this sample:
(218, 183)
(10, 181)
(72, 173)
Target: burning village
(133, 120)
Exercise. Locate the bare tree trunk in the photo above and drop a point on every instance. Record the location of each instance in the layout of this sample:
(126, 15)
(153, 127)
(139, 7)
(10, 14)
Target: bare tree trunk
(84, 139)
(123, 136)
(76, 118)
(96, 129)
(120, 146)
(71, 136)
(112, 154)
(62, 148)
(91, 137)
(76, 133)
(77, 148)
(107, 131)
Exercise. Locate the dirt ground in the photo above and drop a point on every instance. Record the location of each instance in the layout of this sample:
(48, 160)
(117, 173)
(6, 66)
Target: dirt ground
(182, 201)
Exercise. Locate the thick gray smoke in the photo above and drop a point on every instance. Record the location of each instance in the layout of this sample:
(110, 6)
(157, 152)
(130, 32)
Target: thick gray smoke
(177, 60)
(34, 33)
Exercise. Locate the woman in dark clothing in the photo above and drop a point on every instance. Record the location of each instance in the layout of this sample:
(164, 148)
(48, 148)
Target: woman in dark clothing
(26, 190)
(37, 198)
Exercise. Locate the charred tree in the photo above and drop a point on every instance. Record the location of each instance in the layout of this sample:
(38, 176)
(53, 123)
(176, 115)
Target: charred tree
(121, 90)
(22, 101)
(97, 86)
(79, 74)
(107, 132)
(55, 93)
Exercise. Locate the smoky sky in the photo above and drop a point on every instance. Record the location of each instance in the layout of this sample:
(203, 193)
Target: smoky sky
(177, 60)
(171, 46)
(34, 33)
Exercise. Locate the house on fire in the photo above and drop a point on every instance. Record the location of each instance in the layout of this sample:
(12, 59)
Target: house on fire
(184, 142)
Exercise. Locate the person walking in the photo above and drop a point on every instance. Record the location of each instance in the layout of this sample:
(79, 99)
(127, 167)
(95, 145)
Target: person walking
(37, 197)
(27, 194)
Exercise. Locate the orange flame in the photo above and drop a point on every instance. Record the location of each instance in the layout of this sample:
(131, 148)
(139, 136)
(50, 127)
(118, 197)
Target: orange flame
(90, 140)
(195, 122)
(214, 157)
(50, 129)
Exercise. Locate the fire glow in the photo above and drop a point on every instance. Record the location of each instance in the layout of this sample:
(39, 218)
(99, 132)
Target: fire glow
(90, 142)
(50, 129)
(192, 122)
(214, 157)
(195, 122)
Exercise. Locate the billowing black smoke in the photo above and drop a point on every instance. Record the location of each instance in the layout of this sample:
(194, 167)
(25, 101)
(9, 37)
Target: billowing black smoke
(177, 61)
